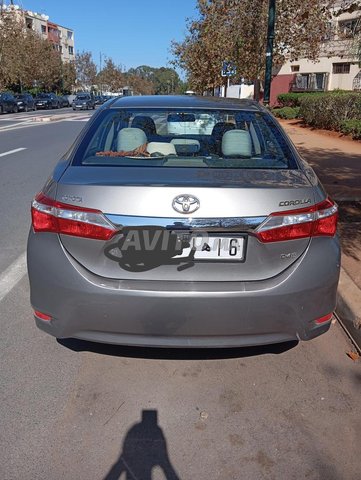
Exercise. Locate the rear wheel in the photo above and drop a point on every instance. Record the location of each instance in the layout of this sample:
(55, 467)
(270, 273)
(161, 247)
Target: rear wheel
(15, 109)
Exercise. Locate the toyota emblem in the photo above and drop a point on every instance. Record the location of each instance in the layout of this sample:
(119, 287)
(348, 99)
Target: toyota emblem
(185, 203)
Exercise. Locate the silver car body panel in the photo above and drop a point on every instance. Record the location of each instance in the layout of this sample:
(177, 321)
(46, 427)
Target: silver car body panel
(273, 294)
(182, 314)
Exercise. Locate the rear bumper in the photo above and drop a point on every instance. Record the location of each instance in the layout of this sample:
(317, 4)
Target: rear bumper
(182, 314)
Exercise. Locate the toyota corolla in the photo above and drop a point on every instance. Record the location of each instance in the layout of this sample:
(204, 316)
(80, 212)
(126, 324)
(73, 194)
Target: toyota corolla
(184, 222)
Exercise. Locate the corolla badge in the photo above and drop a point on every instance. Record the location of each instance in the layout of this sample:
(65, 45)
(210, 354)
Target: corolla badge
(185, 203)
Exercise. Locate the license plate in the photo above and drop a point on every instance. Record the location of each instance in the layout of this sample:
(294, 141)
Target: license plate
(215, 248)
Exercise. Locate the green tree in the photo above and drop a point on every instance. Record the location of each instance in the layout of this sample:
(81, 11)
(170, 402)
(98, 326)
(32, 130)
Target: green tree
(86, 70)
(164, 80)
(236, 31)
(111, 77)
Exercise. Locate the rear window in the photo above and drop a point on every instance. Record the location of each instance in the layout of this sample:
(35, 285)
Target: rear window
(185, 138)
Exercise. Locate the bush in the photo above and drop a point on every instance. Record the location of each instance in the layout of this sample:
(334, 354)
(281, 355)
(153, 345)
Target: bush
(288, 113)
(293, 99)
(351, 127)
(329, 110)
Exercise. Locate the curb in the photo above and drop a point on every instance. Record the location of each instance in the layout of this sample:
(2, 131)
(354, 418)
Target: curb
(349, 307)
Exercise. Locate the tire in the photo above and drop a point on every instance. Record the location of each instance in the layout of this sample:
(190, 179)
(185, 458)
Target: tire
(1, 110)
(15, 109)
(93, 107)
(26, 109)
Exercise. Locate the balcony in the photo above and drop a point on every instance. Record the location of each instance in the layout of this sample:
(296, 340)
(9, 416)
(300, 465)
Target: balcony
(53, 35)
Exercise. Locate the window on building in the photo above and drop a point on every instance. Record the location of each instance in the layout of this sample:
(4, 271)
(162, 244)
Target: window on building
(341, 67)
(71, 50)
(329, 33)
(295, 68)
(60, 49)
(310, 82)
(349, 28)
(70, 35)
(43, 29)
(29, 22)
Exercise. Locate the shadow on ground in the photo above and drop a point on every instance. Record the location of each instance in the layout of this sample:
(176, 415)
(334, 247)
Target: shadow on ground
(339, 172)
(175, 353)
(350, 228)
(144, 449)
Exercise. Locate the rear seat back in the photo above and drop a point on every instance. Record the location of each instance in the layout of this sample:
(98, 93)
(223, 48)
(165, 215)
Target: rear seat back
(130, 138)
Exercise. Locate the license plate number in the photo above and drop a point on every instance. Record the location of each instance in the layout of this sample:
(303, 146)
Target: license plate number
(215, 248)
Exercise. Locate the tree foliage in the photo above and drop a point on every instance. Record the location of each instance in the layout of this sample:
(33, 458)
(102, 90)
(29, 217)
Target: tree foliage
(86, 70)
(236, 31)
(26, 59)
(158, 81)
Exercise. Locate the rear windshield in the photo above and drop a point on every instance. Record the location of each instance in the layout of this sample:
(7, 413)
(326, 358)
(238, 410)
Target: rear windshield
(185, 138)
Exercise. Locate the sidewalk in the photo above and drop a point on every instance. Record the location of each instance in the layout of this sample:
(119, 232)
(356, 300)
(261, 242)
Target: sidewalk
(337, 162)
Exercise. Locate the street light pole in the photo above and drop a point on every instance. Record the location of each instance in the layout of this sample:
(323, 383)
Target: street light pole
(269, 52)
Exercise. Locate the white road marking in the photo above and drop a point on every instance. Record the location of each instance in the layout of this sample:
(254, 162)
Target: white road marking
(31, 123)
(12, 275)
(12, 151)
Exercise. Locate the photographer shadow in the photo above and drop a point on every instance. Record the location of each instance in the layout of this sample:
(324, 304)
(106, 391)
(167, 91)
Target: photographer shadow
(144, 449)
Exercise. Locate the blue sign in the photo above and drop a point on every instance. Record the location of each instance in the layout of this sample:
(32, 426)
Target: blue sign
(228, 69)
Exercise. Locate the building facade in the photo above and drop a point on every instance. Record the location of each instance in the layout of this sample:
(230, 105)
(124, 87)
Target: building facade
(338, 66)
(62, 38)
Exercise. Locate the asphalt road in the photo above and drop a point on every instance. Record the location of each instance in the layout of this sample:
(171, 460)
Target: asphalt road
(75, 410)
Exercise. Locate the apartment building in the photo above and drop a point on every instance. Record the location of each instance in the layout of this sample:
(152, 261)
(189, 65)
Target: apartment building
(61, 37)
(338, 66)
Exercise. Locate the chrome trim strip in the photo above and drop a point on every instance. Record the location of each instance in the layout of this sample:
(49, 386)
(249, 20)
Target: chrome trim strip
(235, 224)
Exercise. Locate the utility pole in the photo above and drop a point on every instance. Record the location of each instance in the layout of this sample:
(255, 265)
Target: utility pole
(100, 69)
(269, 53)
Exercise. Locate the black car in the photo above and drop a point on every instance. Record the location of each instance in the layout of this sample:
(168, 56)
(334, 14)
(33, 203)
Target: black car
(47, 100)
(25, 102)
(64, 102)
(8, 103)
(100, 99)
(83, 101)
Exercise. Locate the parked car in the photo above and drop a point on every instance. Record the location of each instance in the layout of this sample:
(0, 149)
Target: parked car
(8, 103)
(83, 101)
(190, 239)
(100, 99)
(64, 102)
(47, 100)
(25, 102)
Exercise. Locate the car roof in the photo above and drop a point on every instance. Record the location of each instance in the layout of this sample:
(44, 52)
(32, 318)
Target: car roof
(184, 101)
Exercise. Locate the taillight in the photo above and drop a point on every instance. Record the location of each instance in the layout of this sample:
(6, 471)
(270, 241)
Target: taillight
(48, 215)
(315, 221)
(42, 316)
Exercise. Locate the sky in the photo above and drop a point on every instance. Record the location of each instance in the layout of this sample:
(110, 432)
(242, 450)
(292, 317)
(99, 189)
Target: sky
(132, 32)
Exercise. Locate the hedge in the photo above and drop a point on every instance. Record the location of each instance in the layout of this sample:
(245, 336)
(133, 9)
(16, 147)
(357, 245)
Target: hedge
(292, 99)
(329, 110)
(287, 113)
(351, 127)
